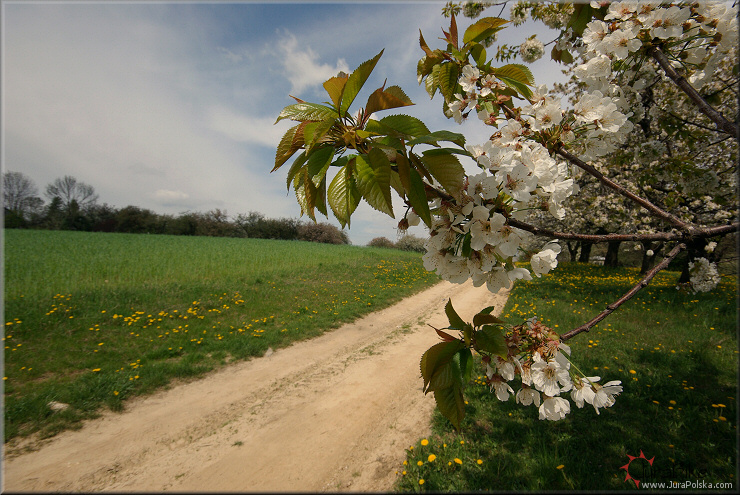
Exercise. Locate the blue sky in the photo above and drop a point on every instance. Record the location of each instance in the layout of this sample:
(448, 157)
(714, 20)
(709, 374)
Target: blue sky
(170, 106)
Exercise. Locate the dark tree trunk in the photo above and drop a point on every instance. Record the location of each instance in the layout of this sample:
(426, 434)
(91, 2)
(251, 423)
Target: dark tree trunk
(585, 251)
(573, 249)
(649, 261)
(612, 254)
(695, 249)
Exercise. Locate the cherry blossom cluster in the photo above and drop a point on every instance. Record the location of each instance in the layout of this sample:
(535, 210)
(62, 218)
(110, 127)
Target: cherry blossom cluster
(531, 50)
(695, 36)
(704, 275)
(544, 368)
(470, 237)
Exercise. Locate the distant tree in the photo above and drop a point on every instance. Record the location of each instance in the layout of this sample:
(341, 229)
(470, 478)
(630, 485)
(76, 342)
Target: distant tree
(53, 218)
(20, 194)
(103, 218)
(411, 243)
(322, 232)
(68, 189)
(382, 242)
(135, 220)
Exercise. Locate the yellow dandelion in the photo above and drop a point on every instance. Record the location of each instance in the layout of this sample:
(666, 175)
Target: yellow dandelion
(431, 458)
(479, 461)
(458, 461)
(425, 442)
(560, 466)
(421, 482)
(420, 463)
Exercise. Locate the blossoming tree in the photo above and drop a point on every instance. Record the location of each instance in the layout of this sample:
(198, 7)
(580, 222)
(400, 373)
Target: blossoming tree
(478, 223)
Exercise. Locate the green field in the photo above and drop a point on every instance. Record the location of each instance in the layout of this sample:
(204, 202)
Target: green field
(94, 318)
(677, 357)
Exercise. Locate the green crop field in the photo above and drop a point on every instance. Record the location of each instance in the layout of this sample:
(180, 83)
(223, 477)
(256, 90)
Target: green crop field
(94, 318)
(676, 355)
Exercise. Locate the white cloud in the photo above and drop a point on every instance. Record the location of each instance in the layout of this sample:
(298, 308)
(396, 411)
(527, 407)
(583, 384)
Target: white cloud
(167, 195)
(302, 65)
(245, 128)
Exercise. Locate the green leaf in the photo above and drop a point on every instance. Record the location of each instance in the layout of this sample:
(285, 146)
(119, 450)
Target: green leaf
(478, 52)
(516, 85)
(318, 163)
(455, 321)
(404, 125)
(415, 191)
(467, 333)
(490, 339)
(374, 181)
(483, 28)
(447, 80)
(314, 131)
(307, 111)
(298, 163)
(465, 358)
(446, 169)
(445, 376)
(291, 142)
(435, 357)
(356, 81)
(516, 72)
(486, 318)
(425, 66)
(451, 404)
(423, 44)
(433, 137)
(334, 86)
(396, 183)
(562, 56)
(320, 198)
(343, 194)
(582, 15)
(466, 249)
(393, 97)
(431, 84)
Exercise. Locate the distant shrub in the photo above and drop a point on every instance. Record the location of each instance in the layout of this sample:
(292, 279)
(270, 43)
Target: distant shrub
(411, 243)
(256, 226)
(322, 232)
(382, 242)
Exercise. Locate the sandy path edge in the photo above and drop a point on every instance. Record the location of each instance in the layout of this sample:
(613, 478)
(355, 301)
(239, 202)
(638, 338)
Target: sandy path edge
(332, 413)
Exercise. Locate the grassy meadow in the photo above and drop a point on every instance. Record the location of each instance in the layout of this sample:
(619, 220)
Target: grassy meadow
(676, 355)
(94, 318)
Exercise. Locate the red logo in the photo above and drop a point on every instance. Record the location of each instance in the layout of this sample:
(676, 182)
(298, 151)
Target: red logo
(626, 467)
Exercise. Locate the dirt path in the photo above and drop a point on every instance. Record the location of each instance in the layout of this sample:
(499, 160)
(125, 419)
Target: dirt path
(332, 413)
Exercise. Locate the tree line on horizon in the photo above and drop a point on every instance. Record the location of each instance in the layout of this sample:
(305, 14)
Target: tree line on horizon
(73, 205)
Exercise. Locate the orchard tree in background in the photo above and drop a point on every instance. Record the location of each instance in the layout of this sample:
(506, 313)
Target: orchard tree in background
(648, 134)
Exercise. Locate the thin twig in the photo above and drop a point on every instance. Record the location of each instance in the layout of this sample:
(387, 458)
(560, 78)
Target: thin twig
(722, 123)
(595, 238)
(634, 290)
(664, 215)
(697, 232)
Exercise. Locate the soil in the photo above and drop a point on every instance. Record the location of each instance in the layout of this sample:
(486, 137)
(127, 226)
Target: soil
(334, 413)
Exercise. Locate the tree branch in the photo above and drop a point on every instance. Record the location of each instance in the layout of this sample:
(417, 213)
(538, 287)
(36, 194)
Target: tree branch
(697, 232)
(634, 290)
(722, 123)
(664, 215)
(595, 238)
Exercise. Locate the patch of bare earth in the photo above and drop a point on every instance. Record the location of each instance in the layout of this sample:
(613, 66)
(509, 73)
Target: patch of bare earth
(332, 413)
